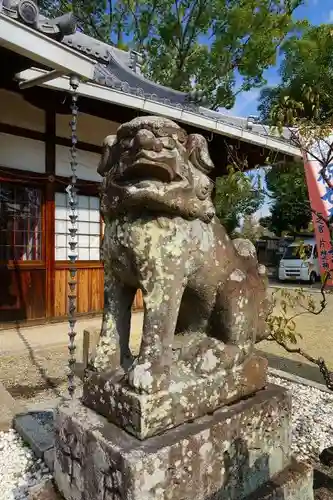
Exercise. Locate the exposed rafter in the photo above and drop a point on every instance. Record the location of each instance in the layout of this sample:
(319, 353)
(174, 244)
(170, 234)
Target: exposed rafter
(43, 50)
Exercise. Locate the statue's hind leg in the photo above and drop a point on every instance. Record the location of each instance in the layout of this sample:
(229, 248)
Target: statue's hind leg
(236, 317)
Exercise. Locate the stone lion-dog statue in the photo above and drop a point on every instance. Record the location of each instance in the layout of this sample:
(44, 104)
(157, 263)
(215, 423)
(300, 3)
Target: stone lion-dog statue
(162, 236)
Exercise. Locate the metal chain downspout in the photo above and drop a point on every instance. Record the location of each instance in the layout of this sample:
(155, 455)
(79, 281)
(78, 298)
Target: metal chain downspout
(72, 255)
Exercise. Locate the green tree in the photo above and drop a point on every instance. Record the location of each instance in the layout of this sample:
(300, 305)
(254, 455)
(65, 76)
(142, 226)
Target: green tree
(306, 78)
(237, 195)
(192, 44)
(290, 211)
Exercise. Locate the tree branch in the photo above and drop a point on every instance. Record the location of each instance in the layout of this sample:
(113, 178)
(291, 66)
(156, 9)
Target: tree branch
(326, 374)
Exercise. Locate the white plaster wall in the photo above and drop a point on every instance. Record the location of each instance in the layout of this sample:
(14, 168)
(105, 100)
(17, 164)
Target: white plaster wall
(87, 164)
(90, 129)
(14, 110)
(21, 153)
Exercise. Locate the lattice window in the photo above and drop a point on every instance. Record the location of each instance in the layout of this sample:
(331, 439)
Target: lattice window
(89, 227)
(20, 223)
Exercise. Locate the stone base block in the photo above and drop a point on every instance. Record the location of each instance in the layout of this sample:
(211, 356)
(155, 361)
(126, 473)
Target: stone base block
(44, 491)
(188, 397)
(228, 455)
(295, 482)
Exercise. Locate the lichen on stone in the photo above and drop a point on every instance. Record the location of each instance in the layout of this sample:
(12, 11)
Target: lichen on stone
(162, 236)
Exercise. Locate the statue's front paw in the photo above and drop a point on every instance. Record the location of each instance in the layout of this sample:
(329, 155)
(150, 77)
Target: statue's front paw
(142, 378)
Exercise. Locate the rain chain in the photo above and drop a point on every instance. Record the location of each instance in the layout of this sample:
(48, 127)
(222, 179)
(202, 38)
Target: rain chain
(72, 255)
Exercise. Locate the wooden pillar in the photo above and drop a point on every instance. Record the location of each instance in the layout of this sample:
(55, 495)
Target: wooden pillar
(50, 164)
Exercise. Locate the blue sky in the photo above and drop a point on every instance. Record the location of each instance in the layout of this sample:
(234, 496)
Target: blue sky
(317, 12)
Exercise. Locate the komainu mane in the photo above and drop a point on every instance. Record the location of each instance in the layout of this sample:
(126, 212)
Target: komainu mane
(162, 236)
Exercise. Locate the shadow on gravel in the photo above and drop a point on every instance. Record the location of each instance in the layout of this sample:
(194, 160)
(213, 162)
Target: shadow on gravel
(27, 392)
(49, 383)
(295, 367)
(323, 483)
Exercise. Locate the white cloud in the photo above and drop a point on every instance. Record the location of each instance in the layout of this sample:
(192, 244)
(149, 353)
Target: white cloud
(330, 16)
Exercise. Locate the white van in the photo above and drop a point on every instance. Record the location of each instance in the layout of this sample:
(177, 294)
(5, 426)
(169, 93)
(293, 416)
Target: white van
(300, 262)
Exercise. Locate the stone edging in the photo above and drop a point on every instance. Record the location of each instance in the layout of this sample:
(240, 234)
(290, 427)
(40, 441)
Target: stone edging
(305, 288)
(298, 380)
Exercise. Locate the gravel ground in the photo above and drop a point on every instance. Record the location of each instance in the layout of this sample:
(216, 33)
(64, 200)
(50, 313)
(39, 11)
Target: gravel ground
(19, 468)
(312, 430)
(312, 419)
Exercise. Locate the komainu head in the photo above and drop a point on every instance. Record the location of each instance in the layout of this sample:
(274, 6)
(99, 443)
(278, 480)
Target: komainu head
(153, 165)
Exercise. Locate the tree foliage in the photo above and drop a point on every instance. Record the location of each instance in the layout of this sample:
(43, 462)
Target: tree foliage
(192, 44)
(237, 195)
(306, 78)
(290, 210)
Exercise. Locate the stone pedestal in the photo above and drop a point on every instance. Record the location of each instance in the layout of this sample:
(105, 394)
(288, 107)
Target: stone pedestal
(241, 451)
(189, 396)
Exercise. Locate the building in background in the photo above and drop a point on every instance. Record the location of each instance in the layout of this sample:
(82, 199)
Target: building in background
(36, 59)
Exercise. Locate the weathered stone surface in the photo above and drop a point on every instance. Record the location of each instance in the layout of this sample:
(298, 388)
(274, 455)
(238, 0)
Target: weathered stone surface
(295, 482)
(36, 428)
(188, 397)
(48, 458)
(171, 432)
(323, 494)
(224, 456)
(44, 491)
(162, 236)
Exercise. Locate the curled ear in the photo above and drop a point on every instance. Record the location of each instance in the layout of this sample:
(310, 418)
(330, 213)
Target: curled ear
(245, 248)
(198, 154)
(106, 160)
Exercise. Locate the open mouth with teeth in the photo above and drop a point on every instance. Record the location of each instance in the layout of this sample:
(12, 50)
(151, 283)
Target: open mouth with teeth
(144, 169)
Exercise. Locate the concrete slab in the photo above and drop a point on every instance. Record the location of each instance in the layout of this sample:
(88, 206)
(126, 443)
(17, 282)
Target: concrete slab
(37, 430)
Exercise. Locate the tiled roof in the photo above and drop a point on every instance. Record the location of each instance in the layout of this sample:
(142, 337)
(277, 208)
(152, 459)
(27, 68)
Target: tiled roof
(117, 69)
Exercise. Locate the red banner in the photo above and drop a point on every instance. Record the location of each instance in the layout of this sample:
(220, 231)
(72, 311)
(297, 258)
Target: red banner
(321, 200)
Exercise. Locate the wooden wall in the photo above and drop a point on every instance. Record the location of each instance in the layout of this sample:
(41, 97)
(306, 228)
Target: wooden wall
(22, 294)
(37, 292)
(90, 290)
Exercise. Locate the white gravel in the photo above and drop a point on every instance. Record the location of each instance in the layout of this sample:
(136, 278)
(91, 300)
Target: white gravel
(19, 468)
(312, 419)
(312, 431)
